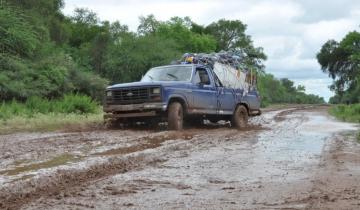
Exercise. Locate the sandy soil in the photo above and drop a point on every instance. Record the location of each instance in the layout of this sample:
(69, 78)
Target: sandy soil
(295, 158)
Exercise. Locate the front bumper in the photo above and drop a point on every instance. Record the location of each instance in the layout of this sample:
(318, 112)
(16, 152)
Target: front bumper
(135, 107)
(113, 111)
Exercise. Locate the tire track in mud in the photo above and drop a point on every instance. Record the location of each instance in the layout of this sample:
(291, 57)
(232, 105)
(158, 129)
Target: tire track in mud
(281, 116)
(334, 185)
(66, 182)
(340, 167)
(38, 151)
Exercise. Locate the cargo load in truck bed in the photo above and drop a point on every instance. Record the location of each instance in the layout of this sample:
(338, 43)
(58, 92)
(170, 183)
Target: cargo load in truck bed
(230, 77)
(229, 67)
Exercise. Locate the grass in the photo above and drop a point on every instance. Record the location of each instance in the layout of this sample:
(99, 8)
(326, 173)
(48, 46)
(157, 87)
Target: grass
(50, 122)
(69, 104)
(72, 112)
(348, 113)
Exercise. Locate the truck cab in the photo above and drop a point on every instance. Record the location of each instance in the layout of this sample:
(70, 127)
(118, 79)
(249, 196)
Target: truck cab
(180, 93)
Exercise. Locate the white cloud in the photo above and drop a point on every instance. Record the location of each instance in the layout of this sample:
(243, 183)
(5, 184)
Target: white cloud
(322, 31)
(290, 31)
(316, 86)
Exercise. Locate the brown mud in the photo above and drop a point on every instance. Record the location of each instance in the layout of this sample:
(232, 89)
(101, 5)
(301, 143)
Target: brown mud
(288, 158)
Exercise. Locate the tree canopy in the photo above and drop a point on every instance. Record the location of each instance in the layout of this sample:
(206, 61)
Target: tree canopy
(47, 54)
(341, 60)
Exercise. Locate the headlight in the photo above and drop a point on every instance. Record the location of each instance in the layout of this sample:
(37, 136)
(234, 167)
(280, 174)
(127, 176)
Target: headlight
(155, 90)
(108, 93)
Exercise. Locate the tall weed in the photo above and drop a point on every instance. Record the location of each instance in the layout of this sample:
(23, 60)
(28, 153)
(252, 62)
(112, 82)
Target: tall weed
(69, 104)
(349, 113)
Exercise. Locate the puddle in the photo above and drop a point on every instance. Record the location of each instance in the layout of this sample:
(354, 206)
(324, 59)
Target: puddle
(294, 143)
(146, 143)
(56, 161)
(322, 124)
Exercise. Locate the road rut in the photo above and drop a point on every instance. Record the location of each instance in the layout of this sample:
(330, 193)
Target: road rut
(296, 158)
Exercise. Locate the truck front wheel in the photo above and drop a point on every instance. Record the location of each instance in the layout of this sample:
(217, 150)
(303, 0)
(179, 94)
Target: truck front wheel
(175, 116)
(240, 117)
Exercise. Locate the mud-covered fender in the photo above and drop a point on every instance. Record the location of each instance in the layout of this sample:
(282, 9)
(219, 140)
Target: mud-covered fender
(244, 103)
(178, 97)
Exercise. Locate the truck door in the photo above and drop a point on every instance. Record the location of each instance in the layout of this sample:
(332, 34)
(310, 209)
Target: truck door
(225, 98)
(252, 97)
(204, 93)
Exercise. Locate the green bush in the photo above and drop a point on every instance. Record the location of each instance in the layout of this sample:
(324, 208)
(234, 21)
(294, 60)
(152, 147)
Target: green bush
(76, 104)
(79, 104)
(349, 113)
(36, 104)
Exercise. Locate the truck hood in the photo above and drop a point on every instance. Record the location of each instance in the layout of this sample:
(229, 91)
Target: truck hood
(140, 84)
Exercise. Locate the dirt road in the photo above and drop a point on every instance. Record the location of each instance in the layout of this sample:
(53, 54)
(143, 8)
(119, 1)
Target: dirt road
(298, 158)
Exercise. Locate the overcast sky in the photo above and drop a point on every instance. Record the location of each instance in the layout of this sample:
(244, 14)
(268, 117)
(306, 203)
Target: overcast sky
(291, 32)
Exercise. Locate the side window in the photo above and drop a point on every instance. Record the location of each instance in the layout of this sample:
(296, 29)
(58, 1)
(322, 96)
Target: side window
(202, 76)
(197, 77)
(217, 82)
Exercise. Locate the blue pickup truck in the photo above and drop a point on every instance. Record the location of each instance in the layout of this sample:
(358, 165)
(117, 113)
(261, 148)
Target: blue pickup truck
(179, 94)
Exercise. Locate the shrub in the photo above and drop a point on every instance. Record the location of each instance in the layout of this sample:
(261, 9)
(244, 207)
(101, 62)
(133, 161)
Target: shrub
(77, 104)
(36, 104)
(349, 113)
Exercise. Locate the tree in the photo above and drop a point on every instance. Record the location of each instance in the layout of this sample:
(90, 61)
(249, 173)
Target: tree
(196, 28)
(178, 30)
(32, 62)
(300, 88)
(131, 58)
(39, 7)
(148, 25)
(17, 36)
(85, 16)
(273, 90)
(118, 30)
(288, 84)
(230, 34)
(341, 60)
(47, 54)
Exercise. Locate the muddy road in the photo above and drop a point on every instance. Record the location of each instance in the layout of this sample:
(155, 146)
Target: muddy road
(296, 158)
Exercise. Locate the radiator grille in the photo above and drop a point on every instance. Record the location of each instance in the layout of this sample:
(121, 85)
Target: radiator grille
(134, 95)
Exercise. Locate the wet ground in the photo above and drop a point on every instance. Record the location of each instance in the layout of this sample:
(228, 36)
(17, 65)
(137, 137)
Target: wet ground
(296, 158)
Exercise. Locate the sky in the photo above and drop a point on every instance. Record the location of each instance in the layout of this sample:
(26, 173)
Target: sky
(290, 31)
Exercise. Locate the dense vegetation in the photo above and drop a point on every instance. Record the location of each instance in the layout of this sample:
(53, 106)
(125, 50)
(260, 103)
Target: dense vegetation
(341, 60)
(275, 91)
(77, 104)
(349, 113)
(46, 54)
(38, 114)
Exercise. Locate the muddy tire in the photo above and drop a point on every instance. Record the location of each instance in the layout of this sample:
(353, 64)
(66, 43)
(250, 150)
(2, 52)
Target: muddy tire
(175, 116)
(240, 117)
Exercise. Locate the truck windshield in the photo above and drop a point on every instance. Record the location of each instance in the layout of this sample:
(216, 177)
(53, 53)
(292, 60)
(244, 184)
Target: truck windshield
(168, 73)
